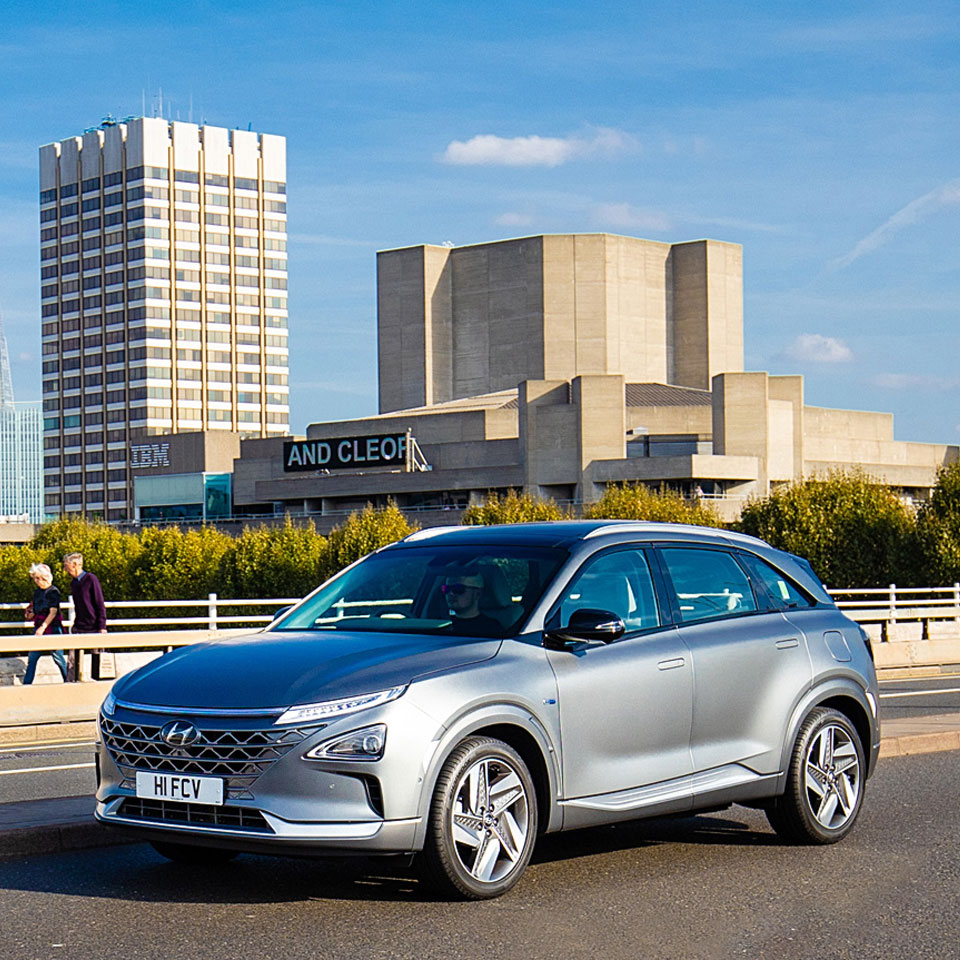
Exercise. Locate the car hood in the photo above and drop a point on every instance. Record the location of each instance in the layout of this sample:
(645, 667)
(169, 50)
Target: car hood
(282, 669)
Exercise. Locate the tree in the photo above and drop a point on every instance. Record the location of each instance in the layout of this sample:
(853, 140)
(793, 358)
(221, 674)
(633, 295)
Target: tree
(285, 561)
(513, 508)
(174, 565)
(636, 501)
(363, 533)
(854, 530)
(107, 552)
(938, 528)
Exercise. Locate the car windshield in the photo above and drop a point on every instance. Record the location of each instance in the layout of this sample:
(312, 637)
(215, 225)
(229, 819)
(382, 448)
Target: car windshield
(474, 591)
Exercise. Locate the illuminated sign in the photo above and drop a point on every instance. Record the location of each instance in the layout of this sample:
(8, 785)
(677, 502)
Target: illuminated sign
(346, 453)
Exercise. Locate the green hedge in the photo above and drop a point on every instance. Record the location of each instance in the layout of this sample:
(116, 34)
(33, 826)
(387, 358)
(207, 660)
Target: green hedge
(167, 563)
(854, 530)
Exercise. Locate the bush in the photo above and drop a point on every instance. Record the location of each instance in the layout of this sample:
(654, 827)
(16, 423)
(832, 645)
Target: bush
(285, 561)
(636, 501)
(107, 552)
(362, 533)
(15, 583)
(938, 529)
(513, 508)
(173, 565)
(854, 530)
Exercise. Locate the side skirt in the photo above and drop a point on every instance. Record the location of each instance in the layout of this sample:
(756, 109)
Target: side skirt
(732, 783)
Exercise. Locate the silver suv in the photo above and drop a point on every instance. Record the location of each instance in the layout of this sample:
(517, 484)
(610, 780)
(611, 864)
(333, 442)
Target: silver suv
(459, 693)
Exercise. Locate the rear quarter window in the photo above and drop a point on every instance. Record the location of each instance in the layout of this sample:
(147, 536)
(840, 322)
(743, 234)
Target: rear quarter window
(784, 593)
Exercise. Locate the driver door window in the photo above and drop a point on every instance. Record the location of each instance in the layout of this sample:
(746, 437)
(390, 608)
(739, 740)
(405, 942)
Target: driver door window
(619, 582)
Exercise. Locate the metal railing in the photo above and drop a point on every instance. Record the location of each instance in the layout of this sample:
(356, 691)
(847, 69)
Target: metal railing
(211, 618)
(886, 606)
(892, 605)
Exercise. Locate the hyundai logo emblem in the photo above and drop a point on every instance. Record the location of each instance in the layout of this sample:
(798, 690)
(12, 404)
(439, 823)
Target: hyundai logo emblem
(179, 733)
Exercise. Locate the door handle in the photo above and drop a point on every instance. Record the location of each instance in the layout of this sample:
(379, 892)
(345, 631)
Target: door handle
(788, 644)
(671, 664)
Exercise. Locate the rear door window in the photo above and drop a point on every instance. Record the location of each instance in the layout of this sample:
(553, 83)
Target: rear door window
(707, 583)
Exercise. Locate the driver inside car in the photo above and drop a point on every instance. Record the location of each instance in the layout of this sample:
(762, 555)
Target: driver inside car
(461, 592)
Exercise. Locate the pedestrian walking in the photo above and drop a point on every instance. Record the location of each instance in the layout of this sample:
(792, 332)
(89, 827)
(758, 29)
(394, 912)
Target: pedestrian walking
(89, 612)
(44, 611)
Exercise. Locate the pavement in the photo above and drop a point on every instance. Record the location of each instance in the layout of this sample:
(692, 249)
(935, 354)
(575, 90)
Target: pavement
(29, 827)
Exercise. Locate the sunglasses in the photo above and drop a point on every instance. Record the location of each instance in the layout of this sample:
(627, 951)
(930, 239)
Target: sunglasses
(456, 589)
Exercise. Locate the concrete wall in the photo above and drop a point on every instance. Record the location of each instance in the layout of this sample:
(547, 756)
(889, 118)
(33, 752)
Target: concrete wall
(478, 319)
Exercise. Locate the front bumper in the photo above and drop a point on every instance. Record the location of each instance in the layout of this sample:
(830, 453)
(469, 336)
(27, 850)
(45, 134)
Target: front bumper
(274, 801)
(307, 838)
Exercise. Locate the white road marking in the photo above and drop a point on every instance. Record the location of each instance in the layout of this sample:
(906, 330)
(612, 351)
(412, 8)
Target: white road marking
(65, 766)
(918, 693)
(73, 745)
(939, 676)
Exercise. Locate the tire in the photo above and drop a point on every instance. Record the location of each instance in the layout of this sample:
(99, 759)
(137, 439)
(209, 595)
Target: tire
(825, 781)
(483, 821)
(197, 856)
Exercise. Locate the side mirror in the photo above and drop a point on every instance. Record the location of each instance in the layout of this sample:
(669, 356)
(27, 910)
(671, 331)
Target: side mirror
(282, 612)
(586, 625)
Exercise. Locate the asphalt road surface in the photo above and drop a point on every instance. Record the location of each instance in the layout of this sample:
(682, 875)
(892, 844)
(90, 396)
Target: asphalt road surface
(919, 698)
(713, 886)
(66, 770)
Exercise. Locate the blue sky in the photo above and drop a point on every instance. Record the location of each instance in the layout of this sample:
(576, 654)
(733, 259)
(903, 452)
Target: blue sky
(823, 137)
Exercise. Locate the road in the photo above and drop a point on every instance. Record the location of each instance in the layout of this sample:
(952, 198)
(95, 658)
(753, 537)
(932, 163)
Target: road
(66, 769)
(919, 698)
(714, 886)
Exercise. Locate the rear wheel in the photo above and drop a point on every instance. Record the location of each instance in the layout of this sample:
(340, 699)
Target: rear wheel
(825, 781)
(483, 821)
(186, 853)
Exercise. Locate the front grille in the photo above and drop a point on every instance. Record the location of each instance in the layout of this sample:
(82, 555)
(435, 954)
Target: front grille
(194, 814)
(239, 756)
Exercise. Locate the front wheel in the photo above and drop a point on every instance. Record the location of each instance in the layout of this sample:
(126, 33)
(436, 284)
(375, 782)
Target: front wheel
(825, 781)
(483, 821)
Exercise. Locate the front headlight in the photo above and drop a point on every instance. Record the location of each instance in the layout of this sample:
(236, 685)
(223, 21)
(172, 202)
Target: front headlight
(332, 709)
(109, 705)
(364, 744)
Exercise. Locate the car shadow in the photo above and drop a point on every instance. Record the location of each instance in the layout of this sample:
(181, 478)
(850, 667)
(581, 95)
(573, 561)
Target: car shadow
(136, 872)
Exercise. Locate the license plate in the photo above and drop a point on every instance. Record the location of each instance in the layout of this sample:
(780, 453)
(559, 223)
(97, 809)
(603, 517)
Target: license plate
(180, 787)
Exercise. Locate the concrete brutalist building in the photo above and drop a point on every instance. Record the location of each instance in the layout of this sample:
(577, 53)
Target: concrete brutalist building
(560, 364)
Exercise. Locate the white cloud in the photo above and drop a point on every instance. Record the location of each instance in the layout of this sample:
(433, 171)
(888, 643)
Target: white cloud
(914, 212)
(816, 348)
(513, 219)
(914, 381)
(536, 151)
(25, 357)
(629, 217)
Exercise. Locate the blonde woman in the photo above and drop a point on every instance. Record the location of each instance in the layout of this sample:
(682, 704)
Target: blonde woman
(45, 610)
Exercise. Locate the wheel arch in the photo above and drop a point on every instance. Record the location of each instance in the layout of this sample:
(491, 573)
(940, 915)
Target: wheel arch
(518, 728)
(846, 697)
(855, 712)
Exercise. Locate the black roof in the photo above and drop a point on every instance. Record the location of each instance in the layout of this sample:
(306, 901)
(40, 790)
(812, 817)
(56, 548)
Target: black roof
(561, 532)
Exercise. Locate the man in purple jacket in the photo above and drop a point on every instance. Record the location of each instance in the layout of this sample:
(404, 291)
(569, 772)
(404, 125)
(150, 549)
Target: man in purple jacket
(89, 612)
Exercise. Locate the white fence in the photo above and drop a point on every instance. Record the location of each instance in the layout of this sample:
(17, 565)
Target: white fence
(200, 613)
(927, 610)
(868, 605)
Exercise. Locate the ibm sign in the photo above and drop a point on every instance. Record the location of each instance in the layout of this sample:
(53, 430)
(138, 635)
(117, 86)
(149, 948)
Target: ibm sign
(147, 455)
(345, 453)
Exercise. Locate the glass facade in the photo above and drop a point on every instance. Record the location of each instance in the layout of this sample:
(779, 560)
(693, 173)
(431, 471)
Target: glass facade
(21, 462)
